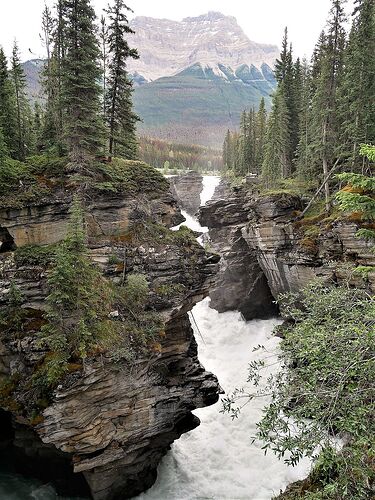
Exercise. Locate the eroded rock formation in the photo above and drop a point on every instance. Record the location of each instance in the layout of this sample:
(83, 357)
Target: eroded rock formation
(112, 420)
(186, 189)
(266, 251)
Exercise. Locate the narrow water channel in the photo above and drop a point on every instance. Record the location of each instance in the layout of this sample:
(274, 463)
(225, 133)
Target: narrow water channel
(217, 461)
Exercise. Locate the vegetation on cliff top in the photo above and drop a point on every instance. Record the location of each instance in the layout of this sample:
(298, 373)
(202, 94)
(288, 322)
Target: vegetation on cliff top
(322, 110)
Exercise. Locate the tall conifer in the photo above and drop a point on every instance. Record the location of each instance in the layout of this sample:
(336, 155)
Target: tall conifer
(120, 116)
(81, 90)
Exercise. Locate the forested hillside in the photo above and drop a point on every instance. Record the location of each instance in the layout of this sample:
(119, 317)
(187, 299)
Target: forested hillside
(322, 110)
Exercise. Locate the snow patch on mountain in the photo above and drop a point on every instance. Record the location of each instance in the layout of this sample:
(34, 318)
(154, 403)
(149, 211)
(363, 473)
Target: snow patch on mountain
(213, 40)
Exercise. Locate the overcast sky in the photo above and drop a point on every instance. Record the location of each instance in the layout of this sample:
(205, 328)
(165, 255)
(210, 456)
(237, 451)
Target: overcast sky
(262, 20)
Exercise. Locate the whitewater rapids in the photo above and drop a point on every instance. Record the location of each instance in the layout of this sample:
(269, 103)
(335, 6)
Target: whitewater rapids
(217, 460)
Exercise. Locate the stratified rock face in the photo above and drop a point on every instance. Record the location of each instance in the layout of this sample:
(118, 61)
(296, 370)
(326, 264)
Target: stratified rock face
(114, 420)
(187, 190)
(265, 252)
(167, 47)
(240, 283)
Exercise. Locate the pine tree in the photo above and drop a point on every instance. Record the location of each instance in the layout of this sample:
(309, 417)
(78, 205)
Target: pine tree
(120, 116)
(226, 151)
(3, 147)
(104, 59)
(304, 161)
(261, 128)
(276, 160)
(325, 106)
(285, 74)
(83, 129)
(357, 92)
(23, 112)
(38, 128)
(7, 106)
(52, 130)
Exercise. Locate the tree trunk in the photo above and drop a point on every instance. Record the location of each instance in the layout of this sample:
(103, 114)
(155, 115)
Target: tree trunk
(325, 167)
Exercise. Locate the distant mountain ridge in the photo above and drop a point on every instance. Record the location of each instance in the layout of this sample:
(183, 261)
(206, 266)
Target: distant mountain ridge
(193, 78)
(168, 47)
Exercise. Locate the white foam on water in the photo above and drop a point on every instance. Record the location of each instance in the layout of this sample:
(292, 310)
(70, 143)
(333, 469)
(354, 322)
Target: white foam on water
(218, 460)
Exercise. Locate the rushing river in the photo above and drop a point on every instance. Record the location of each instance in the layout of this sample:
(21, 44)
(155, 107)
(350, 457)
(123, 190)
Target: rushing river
(216, 461)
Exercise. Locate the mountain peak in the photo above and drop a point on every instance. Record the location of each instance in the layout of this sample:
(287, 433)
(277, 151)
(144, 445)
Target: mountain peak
(168, 47)
(212, 15)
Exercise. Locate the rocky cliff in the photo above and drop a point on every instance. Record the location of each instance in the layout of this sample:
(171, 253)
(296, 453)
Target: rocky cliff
(167, 47)
(111, 419)
(186, 189)
(267, 251)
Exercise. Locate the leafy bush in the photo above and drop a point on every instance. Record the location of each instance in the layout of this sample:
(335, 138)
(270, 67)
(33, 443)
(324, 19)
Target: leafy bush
(46, 165)
(12, 173)
(359, 194)
(35, 255)
(324, 390)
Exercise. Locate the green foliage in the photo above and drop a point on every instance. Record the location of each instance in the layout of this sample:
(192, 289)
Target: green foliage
(358, 195)
(366, 234)
(243, 153)
(78, 304)
(357, 180)
(323, 389)
(83, 128)
(11, 320)
(355, 202)
(131, 177)
(140, 327)
(47, 165)
(368, 151)
(364, 271)
(12, 172)
(119, 112)
(35, 255)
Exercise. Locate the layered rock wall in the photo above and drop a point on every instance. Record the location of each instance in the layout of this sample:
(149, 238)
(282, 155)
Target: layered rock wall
(186, 189)
(114, 420)
(266, 251)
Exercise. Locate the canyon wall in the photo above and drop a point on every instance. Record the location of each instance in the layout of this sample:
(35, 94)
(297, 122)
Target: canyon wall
(266, 251)
(111, 419)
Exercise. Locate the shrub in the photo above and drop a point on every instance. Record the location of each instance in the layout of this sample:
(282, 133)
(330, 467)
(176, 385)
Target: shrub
(324, 390)
(35, 255)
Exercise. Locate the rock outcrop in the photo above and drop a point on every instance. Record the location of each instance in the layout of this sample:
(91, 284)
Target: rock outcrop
(266, 251)
(240, 283)
(111, 420)
(186, 189)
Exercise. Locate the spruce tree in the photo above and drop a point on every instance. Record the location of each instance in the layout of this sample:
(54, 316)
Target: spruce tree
(325, 119)
(104, 59)
(119, 109)
(357, 92)
(276, 160)
(83, 129)
(23, 112)
(285, 74)
(3, 147)
(7, 106)
(226, 151)
(261, 124)
(304, 161)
